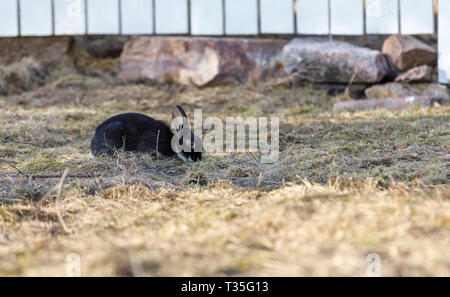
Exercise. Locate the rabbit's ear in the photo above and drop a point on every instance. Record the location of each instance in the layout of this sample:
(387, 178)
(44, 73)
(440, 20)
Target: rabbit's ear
(181, 111)
(179, 119)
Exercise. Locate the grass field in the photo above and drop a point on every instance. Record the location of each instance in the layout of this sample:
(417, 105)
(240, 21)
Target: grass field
(346, 185)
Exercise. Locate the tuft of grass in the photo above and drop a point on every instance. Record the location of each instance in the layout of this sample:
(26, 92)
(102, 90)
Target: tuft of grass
(21, 76)
(75, 80)
(195, 178)
(87, 64)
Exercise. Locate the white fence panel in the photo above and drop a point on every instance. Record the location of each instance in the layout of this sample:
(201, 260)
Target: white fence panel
(241, 17)
(137, 17)
(103, 17)
(207, 17)
(382, 17)
(171, 16)
(277, 17)
(69, 17)
(312, 17)
(444, 41)
(347, 17)
(417, 16)
(8, 18)
(36, 18)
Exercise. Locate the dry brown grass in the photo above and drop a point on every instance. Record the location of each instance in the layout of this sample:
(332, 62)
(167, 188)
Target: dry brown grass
(346, 185)
(21, 76)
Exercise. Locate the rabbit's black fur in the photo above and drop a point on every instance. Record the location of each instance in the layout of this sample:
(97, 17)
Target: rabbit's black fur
(140, 133)
(133, 132)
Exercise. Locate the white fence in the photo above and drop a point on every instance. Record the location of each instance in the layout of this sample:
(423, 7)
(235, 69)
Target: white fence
(228, 17)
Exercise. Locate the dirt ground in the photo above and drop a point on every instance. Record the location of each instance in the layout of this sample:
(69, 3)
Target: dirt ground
(346, 185)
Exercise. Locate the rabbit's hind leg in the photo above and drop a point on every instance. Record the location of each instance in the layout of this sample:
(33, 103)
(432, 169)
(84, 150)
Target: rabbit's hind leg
(110, 139)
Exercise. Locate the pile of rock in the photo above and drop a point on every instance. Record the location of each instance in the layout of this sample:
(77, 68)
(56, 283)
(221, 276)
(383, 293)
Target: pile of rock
(202, 61)
(414, 61)
(414, 64)
(406, 53)
(404, 67)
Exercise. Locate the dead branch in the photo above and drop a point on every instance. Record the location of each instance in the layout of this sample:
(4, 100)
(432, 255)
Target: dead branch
(12, 166)
(49, 176)
(58, 195)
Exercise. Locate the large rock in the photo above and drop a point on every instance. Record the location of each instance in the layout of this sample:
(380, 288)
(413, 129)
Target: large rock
(389, 103)
(47, 51)
(434, 90)
(201, 61)
(400, 90)
(319, 60)
(406, 52)
(422, 73)
(390, 90)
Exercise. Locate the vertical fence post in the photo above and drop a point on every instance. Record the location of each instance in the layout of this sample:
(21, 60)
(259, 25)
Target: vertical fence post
(224, 18)
(294, 11)
(364, 17)
(330, 35)
(19, 25)
(119, 4)
(189, 17)
(436, 19)
(258, 5)
(154, 16)
(86, 17)
(52, 4)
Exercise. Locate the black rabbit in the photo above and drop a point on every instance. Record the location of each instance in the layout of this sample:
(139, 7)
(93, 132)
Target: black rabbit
(141, 133)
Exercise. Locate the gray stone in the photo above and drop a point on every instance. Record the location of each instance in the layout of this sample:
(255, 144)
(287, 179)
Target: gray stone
(319, 60)
(422, 73)
(399, 90)
(434, 90)
(391, 90)
(388, 103)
